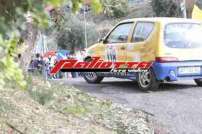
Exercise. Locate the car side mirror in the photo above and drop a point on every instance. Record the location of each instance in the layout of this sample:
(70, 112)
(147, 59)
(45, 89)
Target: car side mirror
(100, 40)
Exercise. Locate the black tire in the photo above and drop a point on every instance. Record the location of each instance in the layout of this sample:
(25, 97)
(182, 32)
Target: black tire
(198, 82)
(92, 78)
(151, 84)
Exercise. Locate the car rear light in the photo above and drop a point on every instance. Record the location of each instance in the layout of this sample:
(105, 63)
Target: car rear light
(166, 59)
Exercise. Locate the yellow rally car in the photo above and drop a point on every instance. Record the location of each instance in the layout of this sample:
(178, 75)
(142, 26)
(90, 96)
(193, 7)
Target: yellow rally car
(174, 45)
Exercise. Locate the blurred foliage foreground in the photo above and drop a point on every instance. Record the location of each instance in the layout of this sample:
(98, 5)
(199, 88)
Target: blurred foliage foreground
(15, 16)
(55, 108)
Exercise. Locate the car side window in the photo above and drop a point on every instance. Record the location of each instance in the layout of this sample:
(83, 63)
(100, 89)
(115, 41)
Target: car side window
(120, 33)
(142, 31)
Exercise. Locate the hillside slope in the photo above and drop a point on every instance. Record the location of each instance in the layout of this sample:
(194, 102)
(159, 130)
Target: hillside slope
(58, 109)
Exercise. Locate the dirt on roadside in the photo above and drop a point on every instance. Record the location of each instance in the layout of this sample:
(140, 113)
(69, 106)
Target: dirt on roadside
(53, 108)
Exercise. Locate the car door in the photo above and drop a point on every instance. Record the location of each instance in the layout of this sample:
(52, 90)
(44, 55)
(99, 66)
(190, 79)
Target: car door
(116, 42)
(142, 43)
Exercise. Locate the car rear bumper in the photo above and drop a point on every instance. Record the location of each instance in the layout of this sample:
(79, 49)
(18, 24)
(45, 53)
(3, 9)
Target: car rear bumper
(169, 71)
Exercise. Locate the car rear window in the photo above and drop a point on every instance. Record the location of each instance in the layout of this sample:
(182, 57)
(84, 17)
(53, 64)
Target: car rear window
(183, 35)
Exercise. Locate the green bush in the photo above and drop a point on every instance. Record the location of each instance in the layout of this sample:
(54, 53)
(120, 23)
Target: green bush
(166, 8)
(71, 33)
(41, 95)
(115, 8)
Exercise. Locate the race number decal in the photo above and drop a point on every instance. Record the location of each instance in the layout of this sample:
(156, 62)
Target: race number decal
(111, 53)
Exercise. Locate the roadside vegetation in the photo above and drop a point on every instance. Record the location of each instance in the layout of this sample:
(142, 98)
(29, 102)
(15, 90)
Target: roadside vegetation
(166, 8)
(70, 35)
(54, 108)
(115, 8)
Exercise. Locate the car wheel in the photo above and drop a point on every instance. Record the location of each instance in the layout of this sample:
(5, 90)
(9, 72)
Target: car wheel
(147, 80)
(92, 78)
(198, 82)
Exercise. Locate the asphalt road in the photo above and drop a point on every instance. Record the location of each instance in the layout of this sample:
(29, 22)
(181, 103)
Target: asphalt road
(178, 105)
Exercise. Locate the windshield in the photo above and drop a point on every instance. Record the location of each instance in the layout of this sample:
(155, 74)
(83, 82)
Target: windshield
(183, 35)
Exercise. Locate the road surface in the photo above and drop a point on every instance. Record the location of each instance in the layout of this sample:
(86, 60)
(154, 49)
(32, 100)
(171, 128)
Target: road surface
(178, 105)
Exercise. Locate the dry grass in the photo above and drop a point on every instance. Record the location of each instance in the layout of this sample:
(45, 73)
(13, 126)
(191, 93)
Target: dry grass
(54, 108)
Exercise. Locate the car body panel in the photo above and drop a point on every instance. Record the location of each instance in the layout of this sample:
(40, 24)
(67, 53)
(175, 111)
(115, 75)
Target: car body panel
(145, 50)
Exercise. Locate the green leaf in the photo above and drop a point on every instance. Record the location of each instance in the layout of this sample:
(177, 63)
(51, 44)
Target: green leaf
(96, 6)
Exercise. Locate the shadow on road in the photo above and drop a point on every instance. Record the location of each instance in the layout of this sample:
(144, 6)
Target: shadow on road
(127, 86)
(130, 85)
